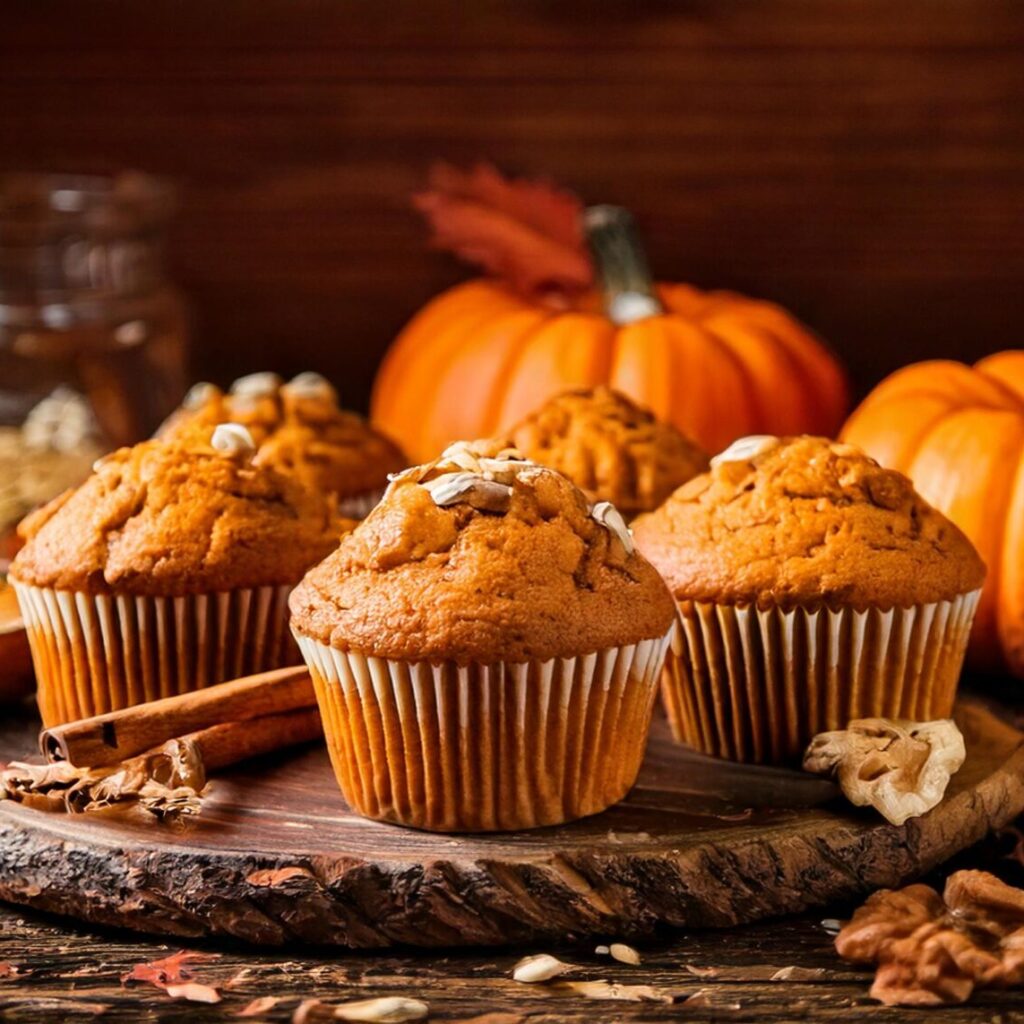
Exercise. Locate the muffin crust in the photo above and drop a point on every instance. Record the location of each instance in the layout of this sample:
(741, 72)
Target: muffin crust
(610, 447)
(483, 557)
(167, 519)
(806, 521)
(299, 429)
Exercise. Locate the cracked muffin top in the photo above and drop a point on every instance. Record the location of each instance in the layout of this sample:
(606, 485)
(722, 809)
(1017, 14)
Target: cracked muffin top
(174, 518)
(806, 521)
(610, 447)
(299, 429)
(481, 557)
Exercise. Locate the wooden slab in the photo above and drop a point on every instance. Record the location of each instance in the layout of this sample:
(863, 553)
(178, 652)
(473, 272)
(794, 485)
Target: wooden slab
(276, 858)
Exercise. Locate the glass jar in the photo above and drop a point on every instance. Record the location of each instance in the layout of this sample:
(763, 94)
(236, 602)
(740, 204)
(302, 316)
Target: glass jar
(92, 334)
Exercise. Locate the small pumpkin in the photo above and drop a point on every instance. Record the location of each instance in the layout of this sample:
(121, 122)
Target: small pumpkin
(482, 355)
(958, 432)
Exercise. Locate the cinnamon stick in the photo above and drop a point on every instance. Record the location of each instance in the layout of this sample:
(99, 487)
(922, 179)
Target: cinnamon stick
(168, 782)
(118, 735)
(230, 742)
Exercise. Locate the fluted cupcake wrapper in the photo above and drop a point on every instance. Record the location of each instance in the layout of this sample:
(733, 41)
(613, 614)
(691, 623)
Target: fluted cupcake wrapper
(757, 685)
(95, 653)
(473, 748)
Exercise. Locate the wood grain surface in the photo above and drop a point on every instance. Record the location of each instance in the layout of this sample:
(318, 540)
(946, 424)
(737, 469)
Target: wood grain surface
(277, 859)
(778, 972)
(862, 164)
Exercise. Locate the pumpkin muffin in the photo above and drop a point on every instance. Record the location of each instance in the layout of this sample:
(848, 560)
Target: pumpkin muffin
(166, 571)
(300, 430)
(485, 648)
(610, 447)
(814, 587)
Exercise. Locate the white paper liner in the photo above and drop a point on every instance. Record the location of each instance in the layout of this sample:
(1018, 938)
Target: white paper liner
(470, 748)
(95, 653)
(359, 506)
(757, 685)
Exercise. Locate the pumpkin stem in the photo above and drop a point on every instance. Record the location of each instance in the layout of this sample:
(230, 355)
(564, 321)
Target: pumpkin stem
(621, 264)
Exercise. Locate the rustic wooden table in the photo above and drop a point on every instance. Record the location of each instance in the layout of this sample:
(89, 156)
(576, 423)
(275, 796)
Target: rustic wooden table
(53, 970)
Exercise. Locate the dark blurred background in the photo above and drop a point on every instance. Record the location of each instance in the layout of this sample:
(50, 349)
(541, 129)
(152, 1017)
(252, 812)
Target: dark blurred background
(860, 162)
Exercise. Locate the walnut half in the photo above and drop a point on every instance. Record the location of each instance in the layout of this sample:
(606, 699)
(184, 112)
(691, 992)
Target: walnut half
(932, 951)
(900, 768)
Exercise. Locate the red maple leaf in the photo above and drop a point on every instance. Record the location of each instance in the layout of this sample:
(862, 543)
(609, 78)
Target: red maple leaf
(526, 232)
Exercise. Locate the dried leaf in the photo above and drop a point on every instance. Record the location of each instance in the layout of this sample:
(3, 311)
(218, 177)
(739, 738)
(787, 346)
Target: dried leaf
(194, 992)
(384, 1010)
(9, 971)
(171, 970)
(525, 232)
(258, 1006)
(543, 967)
(613, 991)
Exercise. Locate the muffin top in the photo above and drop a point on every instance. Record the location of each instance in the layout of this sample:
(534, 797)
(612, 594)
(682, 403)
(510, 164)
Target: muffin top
(806, 521)
(298, 428)
(174, 518)
(481, 557)
(610, 447)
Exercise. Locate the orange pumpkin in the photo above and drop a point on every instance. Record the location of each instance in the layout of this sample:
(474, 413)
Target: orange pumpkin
(958, 432)
(486, 353)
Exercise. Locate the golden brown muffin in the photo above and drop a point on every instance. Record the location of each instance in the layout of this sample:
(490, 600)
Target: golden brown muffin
(814, 588)
(168, 570)
(802, 521)
(481, 556)
(171, 518)
(485, 648)
(610, 447)
(299, 429)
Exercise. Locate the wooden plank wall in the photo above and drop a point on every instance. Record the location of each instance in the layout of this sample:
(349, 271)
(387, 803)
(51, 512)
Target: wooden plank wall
(861, 162)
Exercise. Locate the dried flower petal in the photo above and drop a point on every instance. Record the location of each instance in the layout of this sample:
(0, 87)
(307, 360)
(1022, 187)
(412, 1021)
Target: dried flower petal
(385, 1010)
(194, 992)
(624, 954)
(543, 967)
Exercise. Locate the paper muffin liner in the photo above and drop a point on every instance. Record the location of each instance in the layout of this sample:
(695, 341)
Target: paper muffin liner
(479, 748)
(95, 653)
(757, 685)
(359, 506)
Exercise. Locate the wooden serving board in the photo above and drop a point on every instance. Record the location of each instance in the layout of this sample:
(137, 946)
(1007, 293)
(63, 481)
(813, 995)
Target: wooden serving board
(276, 857)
